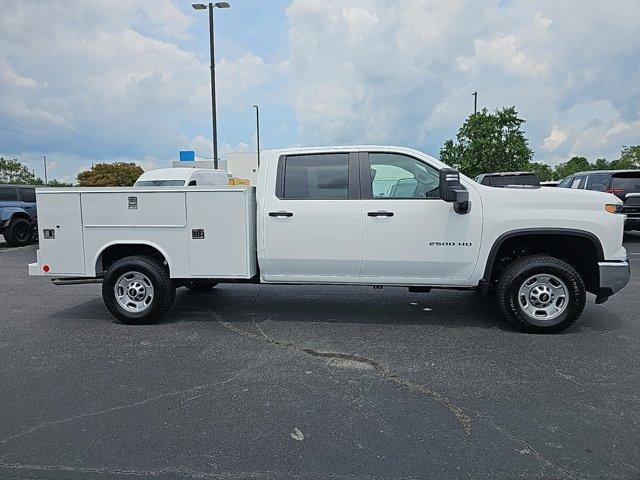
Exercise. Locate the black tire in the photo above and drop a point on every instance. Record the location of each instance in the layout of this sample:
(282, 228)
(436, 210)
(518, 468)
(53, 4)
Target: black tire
(163, 289)
(18, 233)
(200, 286)
(516, 275)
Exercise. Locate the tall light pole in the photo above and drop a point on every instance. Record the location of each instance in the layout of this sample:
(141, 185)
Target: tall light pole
(257, 107)
(475, 102)
(202, 6)
(44, 159)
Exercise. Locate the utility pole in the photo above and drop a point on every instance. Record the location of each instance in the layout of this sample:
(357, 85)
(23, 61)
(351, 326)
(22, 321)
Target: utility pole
(44, 157)
(211, 6)
(258, 131)
(475, 102)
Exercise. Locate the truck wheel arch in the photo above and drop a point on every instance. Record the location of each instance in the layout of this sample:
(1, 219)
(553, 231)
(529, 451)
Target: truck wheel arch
(121, 249)
(583, 235)
(15, 213)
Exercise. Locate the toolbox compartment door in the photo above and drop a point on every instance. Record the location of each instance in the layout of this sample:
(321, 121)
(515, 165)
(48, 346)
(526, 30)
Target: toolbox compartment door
(133, 209)
(63, 250)
(222, 234)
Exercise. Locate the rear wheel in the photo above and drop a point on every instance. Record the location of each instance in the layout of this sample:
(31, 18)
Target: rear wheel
(541, 294)
(18, 233)
(137, 290)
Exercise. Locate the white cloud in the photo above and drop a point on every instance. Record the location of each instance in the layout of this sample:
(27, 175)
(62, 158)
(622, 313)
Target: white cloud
(556, 138)
(502, 51)
(405, 74)
(89, 84)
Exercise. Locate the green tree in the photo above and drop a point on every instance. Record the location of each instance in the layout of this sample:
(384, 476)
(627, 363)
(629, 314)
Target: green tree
(489, 142)
(601, 164)
(58, 183)
(120, 174)
(574, 165)
(629, 159)
(12, 171)
(542, 170)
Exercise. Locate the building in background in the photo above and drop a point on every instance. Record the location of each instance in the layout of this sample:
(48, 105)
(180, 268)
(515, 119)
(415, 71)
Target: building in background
(241, 165)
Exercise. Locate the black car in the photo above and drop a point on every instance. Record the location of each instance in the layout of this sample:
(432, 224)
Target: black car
(624, 184)
(509, 179)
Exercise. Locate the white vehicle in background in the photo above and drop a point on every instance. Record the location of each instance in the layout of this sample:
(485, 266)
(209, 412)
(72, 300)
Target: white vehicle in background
(182, 177)
(361, 215)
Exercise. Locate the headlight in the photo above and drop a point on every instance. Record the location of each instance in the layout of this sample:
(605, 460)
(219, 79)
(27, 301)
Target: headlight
(613, 208)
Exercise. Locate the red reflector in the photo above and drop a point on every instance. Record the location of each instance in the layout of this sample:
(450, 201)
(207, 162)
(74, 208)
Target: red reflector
(45, 268)
(616, 191)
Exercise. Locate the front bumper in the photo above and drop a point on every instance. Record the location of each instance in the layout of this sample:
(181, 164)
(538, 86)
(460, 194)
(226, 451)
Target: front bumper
(614, 276)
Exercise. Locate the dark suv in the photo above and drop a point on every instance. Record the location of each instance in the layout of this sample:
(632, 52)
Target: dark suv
(18, 214)
(509, 179)
(624, 184)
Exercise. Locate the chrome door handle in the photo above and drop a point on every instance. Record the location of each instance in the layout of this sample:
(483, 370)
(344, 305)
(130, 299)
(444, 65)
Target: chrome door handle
(380, 213)
(281, 213)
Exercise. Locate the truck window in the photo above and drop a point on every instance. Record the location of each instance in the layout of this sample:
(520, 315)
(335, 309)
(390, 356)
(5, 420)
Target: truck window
(565, 183)
(320, 176)
(28, 195)
(399, 176)
(627, 181)
(495, 181)
(8, 194)
(598, 182)
(528, 180)
(578, 182)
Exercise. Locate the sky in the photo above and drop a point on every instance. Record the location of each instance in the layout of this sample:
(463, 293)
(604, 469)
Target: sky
(94, 81)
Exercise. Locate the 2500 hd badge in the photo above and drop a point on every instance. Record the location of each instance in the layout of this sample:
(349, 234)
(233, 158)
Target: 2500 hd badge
(450, 244)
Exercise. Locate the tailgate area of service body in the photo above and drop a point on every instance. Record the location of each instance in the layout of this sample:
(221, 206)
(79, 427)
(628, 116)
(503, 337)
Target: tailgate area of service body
(206, 232)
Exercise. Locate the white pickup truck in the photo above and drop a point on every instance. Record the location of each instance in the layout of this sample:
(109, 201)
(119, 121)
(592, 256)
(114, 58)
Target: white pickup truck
(362, 215)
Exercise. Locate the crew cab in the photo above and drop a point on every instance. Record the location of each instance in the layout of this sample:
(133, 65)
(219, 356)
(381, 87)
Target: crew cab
(331, 215)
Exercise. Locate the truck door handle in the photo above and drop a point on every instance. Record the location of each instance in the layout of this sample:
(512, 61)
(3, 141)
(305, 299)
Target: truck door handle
(281, 213)
(380, 213)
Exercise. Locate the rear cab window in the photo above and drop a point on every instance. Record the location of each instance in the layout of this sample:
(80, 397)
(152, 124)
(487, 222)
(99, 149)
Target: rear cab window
(326, 176)
(627, 181)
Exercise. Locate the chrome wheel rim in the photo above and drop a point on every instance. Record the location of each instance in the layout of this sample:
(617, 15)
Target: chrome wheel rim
(134, 292)
(543, 297)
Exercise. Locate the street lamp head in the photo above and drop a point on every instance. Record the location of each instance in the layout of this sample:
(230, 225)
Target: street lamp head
(199, 6)
(222, 5)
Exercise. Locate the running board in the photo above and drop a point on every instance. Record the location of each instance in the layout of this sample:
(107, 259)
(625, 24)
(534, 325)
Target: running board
(75, 281)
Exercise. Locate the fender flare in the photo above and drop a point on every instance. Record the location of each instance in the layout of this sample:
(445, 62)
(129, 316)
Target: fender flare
(535, 231)
(7, 213)
(132, 242)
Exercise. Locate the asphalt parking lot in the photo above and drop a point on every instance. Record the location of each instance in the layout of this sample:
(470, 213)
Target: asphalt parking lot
(312, 382)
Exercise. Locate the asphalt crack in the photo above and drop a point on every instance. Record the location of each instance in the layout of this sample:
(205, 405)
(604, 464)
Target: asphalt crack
(384, 372)
(528, 446)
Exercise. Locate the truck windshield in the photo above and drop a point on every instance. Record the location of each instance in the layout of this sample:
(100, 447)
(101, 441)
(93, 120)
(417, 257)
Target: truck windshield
(160, 183)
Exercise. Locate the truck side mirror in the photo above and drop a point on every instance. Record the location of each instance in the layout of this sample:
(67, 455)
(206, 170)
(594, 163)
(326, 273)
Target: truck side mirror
(451, 190)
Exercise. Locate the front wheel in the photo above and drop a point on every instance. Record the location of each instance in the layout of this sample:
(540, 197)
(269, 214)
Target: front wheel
(541, 294)
(137, 290)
